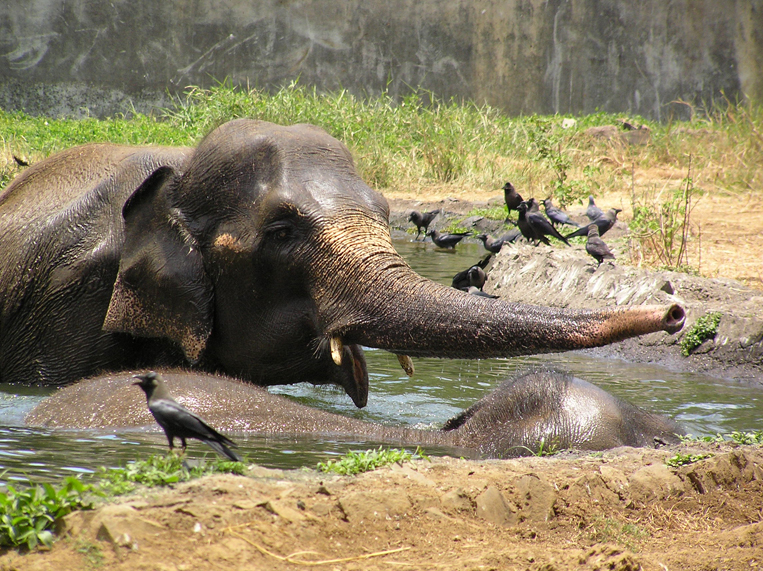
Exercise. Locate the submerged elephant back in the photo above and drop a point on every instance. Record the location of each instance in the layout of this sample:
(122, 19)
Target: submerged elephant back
(546, 410)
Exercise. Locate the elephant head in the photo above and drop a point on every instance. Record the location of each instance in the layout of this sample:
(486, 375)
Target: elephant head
(269, 258)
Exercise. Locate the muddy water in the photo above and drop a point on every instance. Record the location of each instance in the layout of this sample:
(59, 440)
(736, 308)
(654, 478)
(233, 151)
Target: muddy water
(439, 390)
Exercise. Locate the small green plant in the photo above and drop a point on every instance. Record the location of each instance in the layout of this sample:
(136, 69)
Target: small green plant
(545, 449)
(704, 328)
(661, 231)
(626, 534)
(92, 553)
(683, 459)
(747, 438)
(27, 515)
(741, 438)
(159, 470)
(546, 139)
(357, 462)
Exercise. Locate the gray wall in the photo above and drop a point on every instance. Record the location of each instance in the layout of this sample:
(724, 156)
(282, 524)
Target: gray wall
(101, 56)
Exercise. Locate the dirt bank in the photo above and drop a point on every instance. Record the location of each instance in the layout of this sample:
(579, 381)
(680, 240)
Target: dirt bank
(621, 510)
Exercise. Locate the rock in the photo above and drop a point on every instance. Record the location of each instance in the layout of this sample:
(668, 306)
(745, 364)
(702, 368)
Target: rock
(538, 498)
(744, 536)
(362, 506)
(456, 500)
(123, 526)
(492, 506)
(655, 481)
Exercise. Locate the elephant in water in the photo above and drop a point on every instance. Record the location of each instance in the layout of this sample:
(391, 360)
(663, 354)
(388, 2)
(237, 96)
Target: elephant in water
(260, 254)
(541, 406)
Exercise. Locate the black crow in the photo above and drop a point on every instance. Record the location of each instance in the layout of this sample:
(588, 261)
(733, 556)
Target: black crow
(422, 221)
(556, 215)
(512, 198)
(535, 226)
(472, 275)
(596, 247)
(604, 223)
(494, 244)
(178, 421)
(447, 241)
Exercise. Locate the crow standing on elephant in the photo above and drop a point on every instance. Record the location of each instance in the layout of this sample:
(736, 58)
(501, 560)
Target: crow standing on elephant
(260, 253)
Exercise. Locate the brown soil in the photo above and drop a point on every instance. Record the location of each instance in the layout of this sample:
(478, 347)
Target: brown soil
(621, 510)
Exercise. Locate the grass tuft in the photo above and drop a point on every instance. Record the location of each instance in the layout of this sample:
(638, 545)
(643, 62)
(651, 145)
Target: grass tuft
(158, 470)
(357, 462)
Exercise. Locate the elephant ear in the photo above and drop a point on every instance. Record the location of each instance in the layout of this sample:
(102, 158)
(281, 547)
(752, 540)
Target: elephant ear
(161, 289)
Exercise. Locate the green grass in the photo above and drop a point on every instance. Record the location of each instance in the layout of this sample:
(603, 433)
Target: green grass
(741, 438)
(158, 470)
(420, 143)
(683, 459)
(357, 462)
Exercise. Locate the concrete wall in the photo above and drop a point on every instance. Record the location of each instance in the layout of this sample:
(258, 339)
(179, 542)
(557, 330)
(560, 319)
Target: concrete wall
(101, 56)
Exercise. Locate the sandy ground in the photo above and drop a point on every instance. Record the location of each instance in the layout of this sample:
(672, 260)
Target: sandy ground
(620, 510)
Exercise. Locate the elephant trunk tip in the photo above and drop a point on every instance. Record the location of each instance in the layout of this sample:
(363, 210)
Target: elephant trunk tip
(674, 319)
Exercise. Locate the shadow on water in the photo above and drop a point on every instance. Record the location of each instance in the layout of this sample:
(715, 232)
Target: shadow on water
(440, 389)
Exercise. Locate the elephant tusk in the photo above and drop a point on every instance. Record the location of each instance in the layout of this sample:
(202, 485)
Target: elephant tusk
(336, 350)
(407, 364)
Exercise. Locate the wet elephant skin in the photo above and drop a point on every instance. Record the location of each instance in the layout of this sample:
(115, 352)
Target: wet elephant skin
(540, 406)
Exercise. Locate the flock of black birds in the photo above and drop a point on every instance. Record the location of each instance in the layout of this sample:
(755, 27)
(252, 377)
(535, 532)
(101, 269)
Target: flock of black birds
(531, 224)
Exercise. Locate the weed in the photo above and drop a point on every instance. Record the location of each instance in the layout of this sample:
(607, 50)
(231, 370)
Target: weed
(357, 462)
(546, 450)
(92, 553)
(159, 470)
(747, 438)
(683, 459)
(741, 438)
(661, 230)
(28, 515)
(606, 530)
(549, 144)
(704, 328)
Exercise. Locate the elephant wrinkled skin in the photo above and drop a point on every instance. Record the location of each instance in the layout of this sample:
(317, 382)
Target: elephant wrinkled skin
(260, 254)
(540, 408)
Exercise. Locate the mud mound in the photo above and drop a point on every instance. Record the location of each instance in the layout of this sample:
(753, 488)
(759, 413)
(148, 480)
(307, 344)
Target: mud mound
(568, 277)
(624, 509)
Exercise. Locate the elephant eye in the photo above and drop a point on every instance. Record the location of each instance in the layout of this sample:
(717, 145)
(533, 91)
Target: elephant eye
(280, 231)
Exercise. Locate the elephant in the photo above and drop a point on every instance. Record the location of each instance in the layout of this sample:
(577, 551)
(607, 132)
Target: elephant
(260, 254)
(539, 409)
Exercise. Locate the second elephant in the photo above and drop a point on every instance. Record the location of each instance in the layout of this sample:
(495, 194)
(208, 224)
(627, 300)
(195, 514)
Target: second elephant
(539, 409)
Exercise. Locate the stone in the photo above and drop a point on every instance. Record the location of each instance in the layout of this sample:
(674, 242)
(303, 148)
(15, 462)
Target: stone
(538, 498)
(655, 481)
(456, 500)
(363, 506)
(493, 507)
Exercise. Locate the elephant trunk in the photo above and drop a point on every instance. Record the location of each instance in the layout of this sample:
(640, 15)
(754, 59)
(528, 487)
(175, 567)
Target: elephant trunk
(388, 306)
